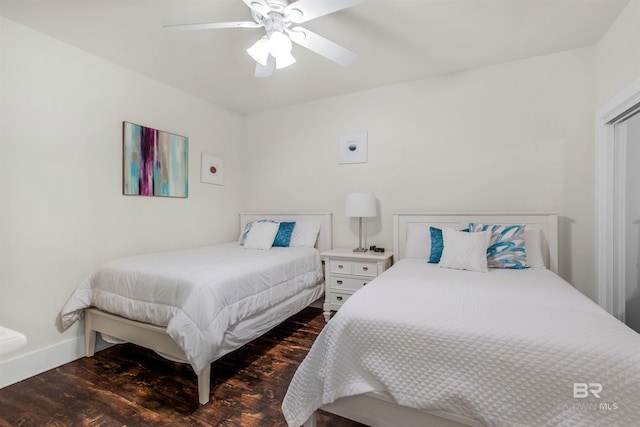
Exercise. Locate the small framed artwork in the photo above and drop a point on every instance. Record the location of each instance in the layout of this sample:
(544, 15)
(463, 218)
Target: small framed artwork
(212, 169)
(154, 162)
(353, 148)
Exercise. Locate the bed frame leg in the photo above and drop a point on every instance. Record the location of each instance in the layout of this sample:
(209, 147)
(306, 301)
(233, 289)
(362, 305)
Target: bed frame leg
(311, 422)
(89, 336)
(204, 385)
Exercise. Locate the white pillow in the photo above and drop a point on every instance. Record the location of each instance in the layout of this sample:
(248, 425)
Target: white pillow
(261, 235)
(465, 251)
(247, 228)
(305, 233)
(533, 248)
(418, 241)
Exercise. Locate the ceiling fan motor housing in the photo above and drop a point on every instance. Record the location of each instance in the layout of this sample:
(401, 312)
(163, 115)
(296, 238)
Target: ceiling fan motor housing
(277, 6)
(277, 10)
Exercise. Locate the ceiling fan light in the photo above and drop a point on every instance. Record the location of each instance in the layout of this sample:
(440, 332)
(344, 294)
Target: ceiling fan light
(260, 51)
(279, 44)
(284, 60)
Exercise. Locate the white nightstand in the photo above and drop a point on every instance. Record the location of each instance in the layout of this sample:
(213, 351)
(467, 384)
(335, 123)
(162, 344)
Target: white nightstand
(346, 271)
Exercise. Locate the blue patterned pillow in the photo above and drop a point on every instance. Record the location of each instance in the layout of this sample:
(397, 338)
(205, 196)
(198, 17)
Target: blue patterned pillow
(506, 248)
(283, 238)
(437, 244)
(247, 228)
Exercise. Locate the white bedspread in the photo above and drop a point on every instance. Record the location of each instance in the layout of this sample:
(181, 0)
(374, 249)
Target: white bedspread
(197, 293)
(504, 348)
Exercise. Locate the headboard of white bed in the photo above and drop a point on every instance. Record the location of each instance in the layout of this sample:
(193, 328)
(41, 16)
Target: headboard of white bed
(325, 237)
(547, 223)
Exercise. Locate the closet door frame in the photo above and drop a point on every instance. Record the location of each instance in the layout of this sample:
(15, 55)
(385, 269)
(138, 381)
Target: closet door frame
(610, 171)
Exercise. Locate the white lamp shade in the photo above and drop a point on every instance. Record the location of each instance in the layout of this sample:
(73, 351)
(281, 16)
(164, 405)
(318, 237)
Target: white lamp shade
(260, 51)
(284, 60)
(360, 205)
(279, 44)
(280, 48)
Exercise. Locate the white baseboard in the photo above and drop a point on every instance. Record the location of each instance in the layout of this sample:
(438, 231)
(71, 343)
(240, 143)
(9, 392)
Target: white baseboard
(39, 361)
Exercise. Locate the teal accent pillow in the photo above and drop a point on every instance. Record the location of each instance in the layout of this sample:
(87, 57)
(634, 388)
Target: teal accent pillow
(506, 248)
(283, 238)
(437, 244)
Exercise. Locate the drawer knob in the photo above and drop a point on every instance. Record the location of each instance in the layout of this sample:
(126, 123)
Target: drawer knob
(340, 265)
(339, 282)
(364, 283)
(365, 268)
(339, 298)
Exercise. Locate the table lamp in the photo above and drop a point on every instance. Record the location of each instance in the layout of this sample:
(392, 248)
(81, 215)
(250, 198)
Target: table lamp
(361, 205)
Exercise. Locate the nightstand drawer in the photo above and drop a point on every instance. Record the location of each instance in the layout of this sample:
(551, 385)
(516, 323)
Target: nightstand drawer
(338, 299)
(365, 269)
(348, 284)
(343, 267)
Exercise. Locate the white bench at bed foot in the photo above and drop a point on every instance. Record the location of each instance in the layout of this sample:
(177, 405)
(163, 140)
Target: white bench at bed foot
(143, 334)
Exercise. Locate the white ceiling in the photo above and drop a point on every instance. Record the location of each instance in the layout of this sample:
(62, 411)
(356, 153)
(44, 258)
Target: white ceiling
(397, 40)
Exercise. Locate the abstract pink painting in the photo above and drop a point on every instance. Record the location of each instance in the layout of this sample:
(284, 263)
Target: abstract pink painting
(155, 163)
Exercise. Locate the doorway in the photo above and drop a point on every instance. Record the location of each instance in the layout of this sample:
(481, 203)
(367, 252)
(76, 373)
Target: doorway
(617, 234)
(629, 132)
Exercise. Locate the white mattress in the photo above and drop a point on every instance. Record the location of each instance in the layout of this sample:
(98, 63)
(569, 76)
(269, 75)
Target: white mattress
(503, 348)
(199, 294)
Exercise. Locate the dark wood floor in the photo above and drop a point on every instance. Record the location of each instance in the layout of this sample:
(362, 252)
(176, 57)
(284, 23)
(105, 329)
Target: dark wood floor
(126, 385)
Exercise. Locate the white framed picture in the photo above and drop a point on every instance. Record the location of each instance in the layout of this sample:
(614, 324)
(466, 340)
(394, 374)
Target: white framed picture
(353, 148)
(212, 171)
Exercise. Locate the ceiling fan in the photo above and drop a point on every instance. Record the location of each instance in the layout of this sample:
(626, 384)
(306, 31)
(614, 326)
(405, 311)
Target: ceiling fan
(279, 19)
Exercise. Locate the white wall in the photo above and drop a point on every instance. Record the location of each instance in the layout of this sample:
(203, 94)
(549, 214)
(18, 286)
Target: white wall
(632, 287)
(511, 137)
(62, 211)
(618, 54)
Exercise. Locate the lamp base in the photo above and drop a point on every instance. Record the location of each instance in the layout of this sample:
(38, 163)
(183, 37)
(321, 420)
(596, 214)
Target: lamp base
(360, 250)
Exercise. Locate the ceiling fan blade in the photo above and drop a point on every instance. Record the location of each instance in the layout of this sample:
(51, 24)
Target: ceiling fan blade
(306, 10)
(266, 70)
(260, 6)
(213, 25)
(322, 46)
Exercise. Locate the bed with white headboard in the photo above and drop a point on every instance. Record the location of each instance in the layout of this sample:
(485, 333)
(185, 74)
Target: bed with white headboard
(325, 236)
(547, 223)
(196, 268)
(393, 355)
